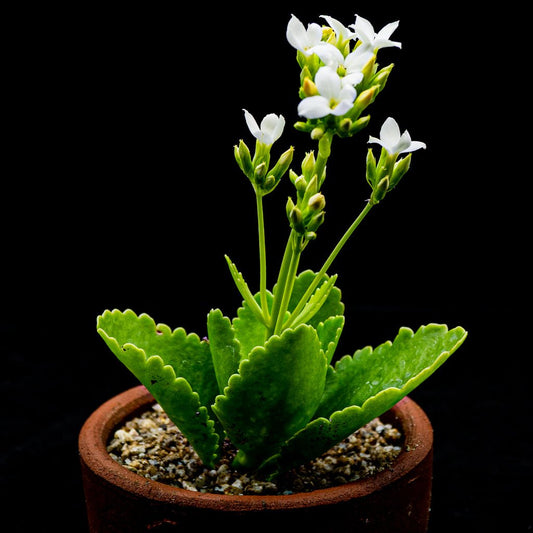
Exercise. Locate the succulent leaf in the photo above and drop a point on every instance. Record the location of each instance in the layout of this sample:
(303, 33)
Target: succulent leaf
(329, 333)
(225, 348)
(366, 385)
(250, 331)
(175, 367)
(332, 305)
(275, 394)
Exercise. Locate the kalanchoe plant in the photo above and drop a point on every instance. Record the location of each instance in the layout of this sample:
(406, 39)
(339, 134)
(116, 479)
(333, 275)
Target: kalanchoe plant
(265, 379)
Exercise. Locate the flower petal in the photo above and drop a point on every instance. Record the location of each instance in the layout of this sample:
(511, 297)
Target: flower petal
(330, 55)
(387, 30)
(363, 30)
(338, 28)
(314, 107)
(415, 145)
(272, 128)
(252, 124)
(390, 132)
(328, 82)
(341, 108)
(296, 33)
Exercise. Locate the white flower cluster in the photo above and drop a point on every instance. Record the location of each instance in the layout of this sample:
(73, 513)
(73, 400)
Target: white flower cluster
(336, 93)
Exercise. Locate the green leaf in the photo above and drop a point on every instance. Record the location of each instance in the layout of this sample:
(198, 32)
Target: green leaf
(175, 367)
(332, 305)
(329, 333)
(245, 290)
(361, 388)
(275, 394)
(225, 349)
(315, 303)
(250, 331)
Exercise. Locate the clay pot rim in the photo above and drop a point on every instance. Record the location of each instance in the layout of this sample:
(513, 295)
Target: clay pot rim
(94, 435)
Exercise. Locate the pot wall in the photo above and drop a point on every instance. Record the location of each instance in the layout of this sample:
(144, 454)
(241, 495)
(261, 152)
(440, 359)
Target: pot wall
(120, 501)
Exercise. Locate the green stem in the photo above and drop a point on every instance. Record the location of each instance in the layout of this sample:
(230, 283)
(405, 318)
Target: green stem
(318, 278)
(282, 280)
(262, 255)
(289, 284)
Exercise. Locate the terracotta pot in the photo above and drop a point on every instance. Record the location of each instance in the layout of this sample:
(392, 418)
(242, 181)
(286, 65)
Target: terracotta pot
(118, 500)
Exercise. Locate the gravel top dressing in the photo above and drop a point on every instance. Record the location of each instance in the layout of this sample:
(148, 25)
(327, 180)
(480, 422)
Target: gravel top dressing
(152, 446)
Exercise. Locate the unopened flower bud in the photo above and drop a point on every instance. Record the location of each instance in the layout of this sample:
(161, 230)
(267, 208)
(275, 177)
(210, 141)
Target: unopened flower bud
(310, 236)
(317, 133)
(317, 202)
(283, 164)
(359, 124)
(380, 191)
(260, 172)
(380, 79)
(309, 88)
(289, 206)
(316, 221)
(371, 171)
(295, 218)
(400, 168)
(369, 67)
(308, 164)
(345, 124)
(293, 176)
(243, 158)
(324, 146)
(303, 126)
(301, 184)
(270, 183)
(363, 100)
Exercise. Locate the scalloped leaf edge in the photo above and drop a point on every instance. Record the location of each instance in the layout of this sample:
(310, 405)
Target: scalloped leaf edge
(386, 398)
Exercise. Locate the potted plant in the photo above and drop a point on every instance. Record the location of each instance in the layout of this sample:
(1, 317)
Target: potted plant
(267, 382)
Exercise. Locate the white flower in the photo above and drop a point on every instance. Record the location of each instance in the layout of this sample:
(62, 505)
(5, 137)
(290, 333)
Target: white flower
(340, 30)
(371, 40)
(352, 64)
(333, 98)
(392, 141)
(270, 130)
(303, 39)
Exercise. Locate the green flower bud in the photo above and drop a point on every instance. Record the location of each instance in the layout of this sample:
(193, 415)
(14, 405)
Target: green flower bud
(289, 207)
(293, 176)
(310, 236)
(305, 73)
(312, 187)
(301, 184)
(345, 124)
(283, 164)
(380, 191)
(400, 168)
(317, 133)
(380, 79)
(316, 221)
(244, 159)
(270, 184)
(363, 100)
(295, 218)
(324, 146)
(260, 172)
(317, 202)
(308, 165)
(371, 170)
(303, 126)
(359, 124)
(368, 69)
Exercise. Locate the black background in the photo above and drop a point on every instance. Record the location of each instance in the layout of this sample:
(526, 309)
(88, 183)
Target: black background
(121, 191)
